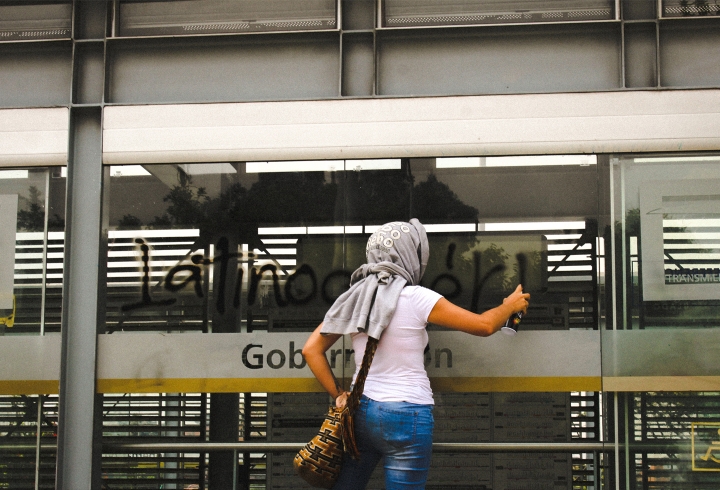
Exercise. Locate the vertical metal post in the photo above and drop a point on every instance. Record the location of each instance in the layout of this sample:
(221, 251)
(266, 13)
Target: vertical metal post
(43, 277)
(658, 65)
(628, 421)
(596, 470)
(77, 438)
(613, 308)
(224, 407)
(235, 470)
(79, 447)
(37, 441)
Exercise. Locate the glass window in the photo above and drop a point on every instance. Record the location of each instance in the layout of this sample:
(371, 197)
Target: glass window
(669, 219)
(187, 17)
(661, 349)
(265, 248)
(33, 221)
(35, 20)
(275, 241)
(402, 13)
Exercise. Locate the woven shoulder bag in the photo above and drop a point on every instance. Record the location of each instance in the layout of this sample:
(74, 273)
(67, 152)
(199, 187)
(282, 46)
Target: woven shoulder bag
(320, 461)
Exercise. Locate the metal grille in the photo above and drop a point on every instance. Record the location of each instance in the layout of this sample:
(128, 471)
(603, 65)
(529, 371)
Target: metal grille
(40, 21)
(224, 16)
(690, 8)
(19, 416)
(573, 274)
(31, 262)
(137, 296)
(154, 418)
(175, 418)
(666, 417)
(406, 13)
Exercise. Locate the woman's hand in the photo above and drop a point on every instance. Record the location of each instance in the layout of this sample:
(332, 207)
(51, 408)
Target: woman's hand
(341, 399)
(518, 300)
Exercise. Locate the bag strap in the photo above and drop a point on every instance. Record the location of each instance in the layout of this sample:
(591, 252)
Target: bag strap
(353, 400)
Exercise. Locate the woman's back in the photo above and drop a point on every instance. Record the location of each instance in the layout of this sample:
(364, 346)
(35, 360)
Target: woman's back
(398, 370)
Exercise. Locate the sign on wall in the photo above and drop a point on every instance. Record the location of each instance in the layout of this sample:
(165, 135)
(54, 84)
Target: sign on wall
(705, 446)
(680, 240)
(273, 362)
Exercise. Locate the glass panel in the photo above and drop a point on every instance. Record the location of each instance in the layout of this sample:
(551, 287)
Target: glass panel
(671, 246)
(401, 13)
(535, 223)
(33, 219)
(210, 247)
(35, 20)
(218, 16)
(689, 8)
(663, 349)
(265, 248)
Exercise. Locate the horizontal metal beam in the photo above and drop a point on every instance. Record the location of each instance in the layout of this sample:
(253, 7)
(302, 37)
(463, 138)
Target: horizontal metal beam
(532, 124)
(446, 447)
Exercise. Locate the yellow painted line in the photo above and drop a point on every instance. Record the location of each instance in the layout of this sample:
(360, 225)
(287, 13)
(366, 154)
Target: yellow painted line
(29, 387)
(510, 384)
(309, 385)
(661, 383)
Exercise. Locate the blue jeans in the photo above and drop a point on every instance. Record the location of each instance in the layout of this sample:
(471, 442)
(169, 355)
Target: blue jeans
(399, 431)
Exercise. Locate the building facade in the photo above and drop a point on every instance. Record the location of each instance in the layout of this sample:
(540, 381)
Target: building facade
(186, 186)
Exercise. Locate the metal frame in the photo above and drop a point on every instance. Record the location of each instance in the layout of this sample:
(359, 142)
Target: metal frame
(449, 447)
(80, 441)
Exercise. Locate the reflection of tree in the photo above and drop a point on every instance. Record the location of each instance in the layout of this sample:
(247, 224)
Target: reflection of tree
(276, 198)
(390, 195)
(32, 218)
(494, 257)
(534, 263)
(632, 222)
(379, 196)
(298, 197)
(434, 201)
(186, 206)
(305, 198)
(129, 222)
(491, 257)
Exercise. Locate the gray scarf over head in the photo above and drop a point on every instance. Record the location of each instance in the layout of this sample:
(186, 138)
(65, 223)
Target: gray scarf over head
(397, 255)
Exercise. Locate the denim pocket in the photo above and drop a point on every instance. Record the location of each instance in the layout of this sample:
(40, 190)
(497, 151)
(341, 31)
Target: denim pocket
(399, 424)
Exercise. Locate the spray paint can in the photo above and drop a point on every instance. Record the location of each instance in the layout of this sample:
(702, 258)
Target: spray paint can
(512, 324)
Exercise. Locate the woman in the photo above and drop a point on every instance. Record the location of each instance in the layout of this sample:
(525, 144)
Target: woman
(394, 418)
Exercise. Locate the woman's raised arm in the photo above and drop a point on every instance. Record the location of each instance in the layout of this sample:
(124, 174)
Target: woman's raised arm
(484, 324)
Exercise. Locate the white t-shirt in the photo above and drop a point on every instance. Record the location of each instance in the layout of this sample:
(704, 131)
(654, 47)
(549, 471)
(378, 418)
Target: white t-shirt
(397, 372)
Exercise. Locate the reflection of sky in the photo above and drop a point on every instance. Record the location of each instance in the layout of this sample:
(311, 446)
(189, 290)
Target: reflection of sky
(637, 173)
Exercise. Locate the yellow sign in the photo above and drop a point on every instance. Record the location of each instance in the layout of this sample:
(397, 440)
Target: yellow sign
(705, 446)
